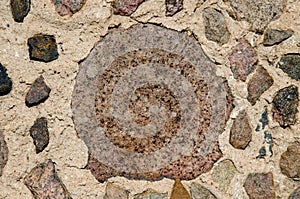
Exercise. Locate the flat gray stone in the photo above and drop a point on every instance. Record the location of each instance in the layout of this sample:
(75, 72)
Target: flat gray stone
(274, 36)
(151, 194)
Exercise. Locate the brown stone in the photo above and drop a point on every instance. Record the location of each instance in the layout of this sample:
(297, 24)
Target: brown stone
(44, 183)
(113, 191)
(258, 84)
(290, 161)
(126, 7)
(3, 153)
(290, 64)
(200, 192)
(5, 81)
(215, 26)
(179, 191)
(68, 7)
(40, 134)
(273, 36)
(19, 9)
(173, 6)
(38, 92)
(260, 186)
(241, 131)
(295, 194)
(285, 106)
(242, 60)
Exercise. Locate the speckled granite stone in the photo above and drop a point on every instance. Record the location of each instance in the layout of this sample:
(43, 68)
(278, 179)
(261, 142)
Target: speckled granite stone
(68, 7)
(146, 108)
(44, 183)
(290, 161)
(3, 153)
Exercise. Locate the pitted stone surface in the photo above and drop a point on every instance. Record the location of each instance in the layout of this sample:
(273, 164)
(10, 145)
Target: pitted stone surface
(274, 36)
(3, 152)
(150, 107)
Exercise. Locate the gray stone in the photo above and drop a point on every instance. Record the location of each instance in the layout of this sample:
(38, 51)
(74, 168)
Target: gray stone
(290, 64)
(223, 173)
(68, 7)
(5, 81)
(215, 26)
(151, 194)
(200, 192)
(20, 9)
(38, 92)
(113, 191)
(3, 153)
(290, 161)
(40, 135)
(273, 36)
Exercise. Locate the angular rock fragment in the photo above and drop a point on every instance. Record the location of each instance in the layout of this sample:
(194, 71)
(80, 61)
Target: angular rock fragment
(295, 194)
(3, 153)
(179, 191)
(126, 7)
(5, 81)
(273, 36)
(68, 7)
(290, 161)
(113, 191)
(290, 64)
(260, 186)
(19, 9)
(258, 84)
(38, 92)
(241, 131)
(258, 13)
(200, 192)
(42, 48)
(285, 106)
(215, 26)
(173, 6)
(223, 173)
(151, 194)
(44, 183)
(242, 60)
(40, 135)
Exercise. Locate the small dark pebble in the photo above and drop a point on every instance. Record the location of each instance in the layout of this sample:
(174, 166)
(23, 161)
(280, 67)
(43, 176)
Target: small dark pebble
(273, 36)
(264, 118)
(262, 152)
(42, 48)
(173, 6)
(40, 135)
(5, 81)
(20, 9)
(126, 7)
(290, 64)
(38, 92)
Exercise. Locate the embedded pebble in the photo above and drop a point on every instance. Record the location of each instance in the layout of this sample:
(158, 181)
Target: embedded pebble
(223, 173)
(295, 194)
(40, 135)
(68, 7)
(38, 92)
(44, 183)
(179, 191)
(3, 153)
(290, 161)
(215, 26)
(241, 131)
(126, 7)
(290, 64)
(258, 84)
(242, 60)
(5, 81)
(173, 6)
(151, 194)
(273, 36)
(19, 9)
(260, 186)
(113, 191)
(42, 48)
(285, 106)
(200, 192)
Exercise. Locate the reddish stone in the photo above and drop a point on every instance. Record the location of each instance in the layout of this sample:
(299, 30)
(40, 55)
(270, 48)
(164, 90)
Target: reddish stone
(290, 161)
(68, 7)
(258, 84)
(243, 60)
(3, 153)
(126, 7)
(38, 92)
(173, 6)
(260, 186)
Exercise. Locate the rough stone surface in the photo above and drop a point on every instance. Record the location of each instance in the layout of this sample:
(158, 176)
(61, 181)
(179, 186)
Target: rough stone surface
(295, 194)
(215, 26)
(151, 194)
(274, 36)
(126, 7)
(38, 92)
(3, 153)
(68, 7)
(44, 183)
(290, 64)
(40, 135)
(242, 60)
(223, 174)
(241, 131)
(260, 186)
(285, 106)
(179, 191)
(200, 192)
(113, 191)
(173, 6)
(42, 48)
(133, 86)
(258, 84)
(19, 9)
(290, 161)
(258, 13)
(5, 81)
